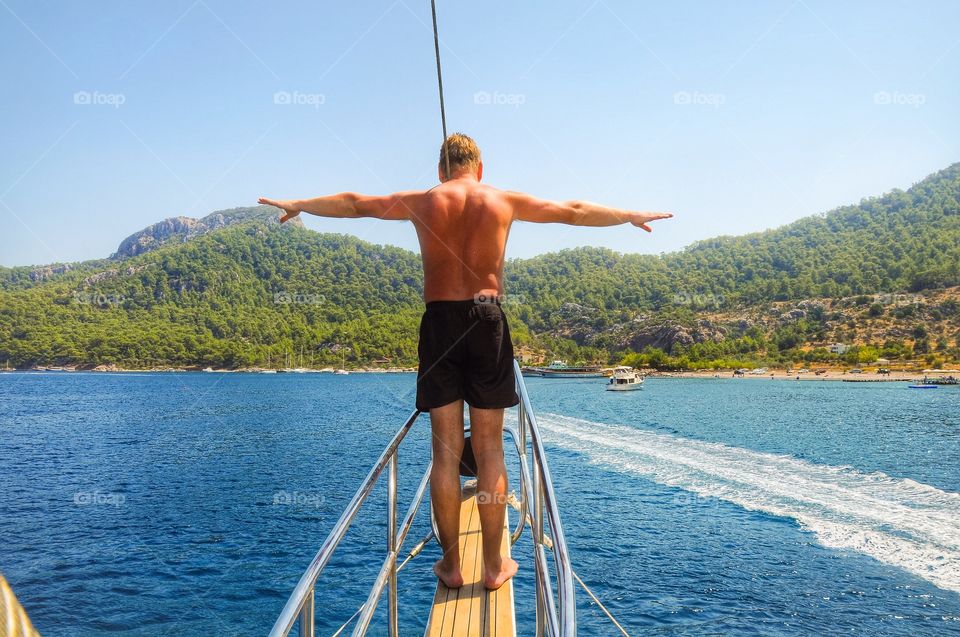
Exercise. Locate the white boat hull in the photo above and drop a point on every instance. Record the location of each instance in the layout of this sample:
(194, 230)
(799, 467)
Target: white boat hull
(625, 387)
(559, 374)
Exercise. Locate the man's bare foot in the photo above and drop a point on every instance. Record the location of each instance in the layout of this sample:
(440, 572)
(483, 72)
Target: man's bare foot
(508, 568)
(451, 578)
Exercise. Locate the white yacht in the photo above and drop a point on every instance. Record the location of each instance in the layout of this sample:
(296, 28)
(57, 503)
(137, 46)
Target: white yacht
(625, 379)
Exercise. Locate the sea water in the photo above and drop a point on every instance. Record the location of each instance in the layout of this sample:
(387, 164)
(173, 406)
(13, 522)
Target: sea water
(189, 504)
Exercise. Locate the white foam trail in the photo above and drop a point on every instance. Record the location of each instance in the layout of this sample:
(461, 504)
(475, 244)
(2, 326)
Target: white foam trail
(900, 522)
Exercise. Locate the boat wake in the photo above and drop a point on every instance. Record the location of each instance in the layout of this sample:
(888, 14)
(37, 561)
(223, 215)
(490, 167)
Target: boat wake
(899, 522)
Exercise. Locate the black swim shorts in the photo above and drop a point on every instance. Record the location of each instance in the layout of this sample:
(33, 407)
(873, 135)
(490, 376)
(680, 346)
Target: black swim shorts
(465, 352)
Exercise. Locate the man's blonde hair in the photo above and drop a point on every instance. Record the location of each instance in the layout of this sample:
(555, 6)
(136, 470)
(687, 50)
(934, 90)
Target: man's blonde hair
(462, 151)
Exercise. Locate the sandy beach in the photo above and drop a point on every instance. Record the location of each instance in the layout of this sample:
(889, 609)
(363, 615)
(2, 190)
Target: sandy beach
(833, 374)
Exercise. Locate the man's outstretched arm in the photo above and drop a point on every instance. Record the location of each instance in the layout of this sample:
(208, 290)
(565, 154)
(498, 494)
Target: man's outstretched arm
(347, 205)
(579, 213)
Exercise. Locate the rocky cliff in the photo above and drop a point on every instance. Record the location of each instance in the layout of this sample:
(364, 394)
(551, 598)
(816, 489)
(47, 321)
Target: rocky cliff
(181, 229)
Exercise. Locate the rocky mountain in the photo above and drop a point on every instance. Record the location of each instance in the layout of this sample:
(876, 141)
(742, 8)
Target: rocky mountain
(182, 229)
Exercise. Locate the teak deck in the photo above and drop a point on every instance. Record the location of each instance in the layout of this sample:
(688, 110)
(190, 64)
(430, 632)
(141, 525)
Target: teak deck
(473, 611)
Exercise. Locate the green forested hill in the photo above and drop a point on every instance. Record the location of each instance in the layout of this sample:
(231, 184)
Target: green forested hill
(240, 296)
(241, 291)
(903, 241)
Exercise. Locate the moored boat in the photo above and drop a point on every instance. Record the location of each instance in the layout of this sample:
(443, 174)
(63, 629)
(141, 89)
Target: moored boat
(941, 377)
(560, 369)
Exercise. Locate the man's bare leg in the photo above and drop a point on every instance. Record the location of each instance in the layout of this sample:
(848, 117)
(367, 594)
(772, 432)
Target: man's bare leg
(447, 425)
(486, 437)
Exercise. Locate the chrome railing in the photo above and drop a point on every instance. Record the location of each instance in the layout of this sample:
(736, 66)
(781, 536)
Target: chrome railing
(558, 618)
(537, 506)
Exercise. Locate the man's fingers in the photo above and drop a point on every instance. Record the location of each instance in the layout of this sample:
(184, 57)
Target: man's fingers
(287, 215)
(654, 216)
(645, 227)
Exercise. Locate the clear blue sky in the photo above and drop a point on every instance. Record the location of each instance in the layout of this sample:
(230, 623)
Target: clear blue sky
(736, 116)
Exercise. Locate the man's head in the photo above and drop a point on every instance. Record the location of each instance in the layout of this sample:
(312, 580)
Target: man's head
(464, 157)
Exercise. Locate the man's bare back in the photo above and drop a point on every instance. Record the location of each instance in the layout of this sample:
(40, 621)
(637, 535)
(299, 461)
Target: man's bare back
(462, 226)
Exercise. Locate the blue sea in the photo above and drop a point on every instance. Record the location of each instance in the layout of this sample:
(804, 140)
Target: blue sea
(189, 504)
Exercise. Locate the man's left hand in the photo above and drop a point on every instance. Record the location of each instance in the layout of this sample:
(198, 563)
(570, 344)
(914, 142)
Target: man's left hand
(290, 208)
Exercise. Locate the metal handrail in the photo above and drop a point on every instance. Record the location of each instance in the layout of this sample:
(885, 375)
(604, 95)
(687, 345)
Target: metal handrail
(563, 624)
(555, 617)
(300, 603)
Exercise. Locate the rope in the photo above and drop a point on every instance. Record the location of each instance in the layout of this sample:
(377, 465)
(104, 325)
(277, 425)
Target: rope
(599, 603)
(512, 500)
(443, 112)
(415, 551)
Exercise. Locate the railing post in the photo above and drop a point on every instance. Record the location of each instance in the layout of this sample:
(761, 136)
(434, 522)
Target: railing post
(522, 426)
(306, 616)
(537, 531)
(392, 620)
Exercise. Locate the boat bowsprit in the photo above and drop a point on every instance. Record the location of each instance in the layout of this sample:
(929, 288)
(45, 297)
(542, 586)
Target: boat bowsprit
(471, 611)
(479, 611)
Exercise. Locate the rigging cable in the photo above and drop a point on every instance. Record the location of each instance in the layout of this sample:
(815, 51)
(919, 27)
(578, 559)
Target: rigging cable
(443, 113)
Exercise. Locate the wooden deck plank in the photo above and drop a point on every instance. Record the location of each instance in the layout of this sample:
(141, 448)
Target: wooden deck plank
(473, 611)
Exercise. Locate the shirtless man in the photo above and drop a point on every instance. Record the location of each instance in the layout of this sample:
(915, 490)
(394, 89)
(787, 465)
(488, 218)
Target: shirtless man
(465, 350)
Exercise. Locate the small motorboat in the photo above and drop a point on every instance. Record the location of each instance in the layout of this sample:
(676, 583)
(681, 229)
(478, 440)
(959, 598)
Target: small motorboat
(625, 379)
(923, 386)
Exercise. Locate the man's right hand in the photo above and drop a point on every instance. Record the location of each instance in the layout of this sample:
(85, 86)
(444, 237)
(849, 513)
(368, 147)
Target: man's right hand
(290, 207)
(641, 219)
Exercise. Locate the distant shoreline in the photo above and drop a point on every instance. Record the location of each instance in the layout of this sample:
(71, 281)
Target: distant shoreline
(112, 369)
(864, 377)
(780, 375)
